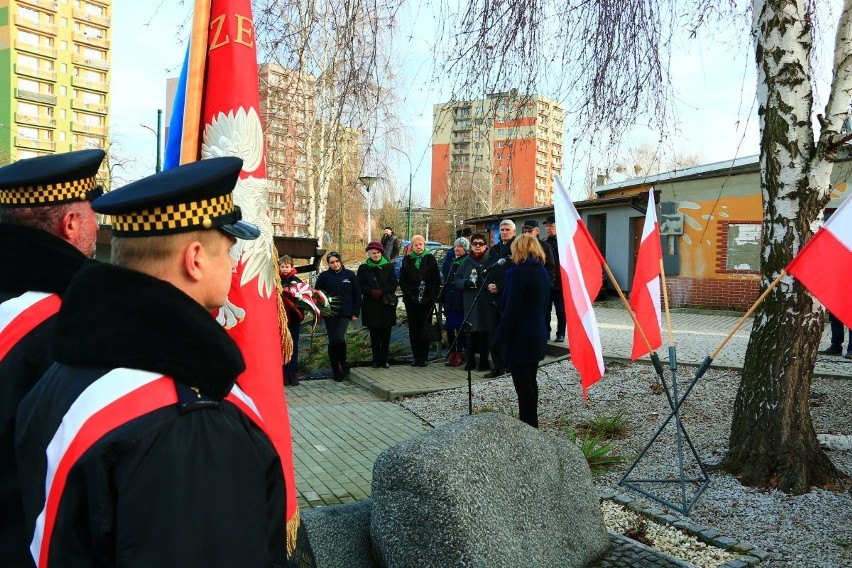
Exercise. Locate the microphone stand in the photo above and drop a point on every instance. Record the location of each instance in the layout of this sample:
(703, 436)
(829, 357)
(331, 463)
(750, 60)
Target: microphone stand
(465, 327)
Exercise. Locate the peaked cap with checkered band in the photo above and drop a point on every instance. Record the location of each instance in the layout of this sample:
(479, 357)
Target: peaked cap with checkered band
(191, 197)
(51, 180)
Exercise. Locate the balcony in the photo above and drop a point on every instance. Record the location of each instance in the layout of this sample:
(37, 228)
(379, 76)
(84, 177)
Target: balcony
(44, 50)
(44, 98)
(35, 143)
(84, 16)
(90, 85)
(89, 107)
(48, 5)
(88, 128)
(46, 121)
(43, 74)
(101, 64)
(91, 40)
(36, 25)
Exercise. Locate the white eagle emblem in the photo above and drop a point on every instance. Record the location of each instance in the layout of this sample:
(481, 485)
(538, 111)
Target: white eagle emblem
(240, 134)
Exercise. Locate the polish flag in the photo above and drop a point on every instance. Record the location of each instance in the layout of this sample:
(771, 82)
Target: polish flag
(824, 265)
(580, 264)
(645, 293)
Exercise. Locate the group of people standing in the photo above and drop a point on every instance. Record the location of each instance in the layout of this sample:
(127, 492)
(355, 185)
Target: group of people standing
(487, 294)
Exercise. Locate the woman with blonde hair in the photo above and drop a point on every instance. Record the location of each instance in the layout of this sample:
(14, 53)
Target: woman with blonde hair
(419, 281)
(522, 331)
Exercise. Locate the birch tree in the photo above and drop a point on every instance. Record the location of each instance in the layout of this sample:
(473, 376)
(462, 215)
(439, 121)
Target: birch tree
(609, 62)
(340, 52)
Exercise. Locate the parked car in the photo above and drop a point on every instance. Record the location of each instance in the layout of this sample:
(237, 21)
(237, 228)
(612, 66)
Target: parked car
(434, 247)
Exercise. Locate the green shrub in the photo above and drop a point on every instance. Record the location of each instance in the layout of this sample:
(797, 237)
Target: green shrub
(605, 426)
(598, 453)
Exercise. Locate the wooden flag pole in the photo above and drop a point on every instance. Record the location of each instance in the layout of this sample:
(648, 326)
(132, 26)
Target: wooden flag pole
(629, 309)
(190, 147)
(747, 315)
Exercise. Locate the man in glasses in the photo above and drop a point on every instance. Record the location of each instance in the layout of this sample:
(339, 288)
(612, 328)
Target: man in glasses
(531, 228)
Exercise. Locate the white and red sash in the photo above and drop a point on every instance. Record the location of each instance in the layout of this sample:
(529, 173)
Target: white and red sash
(20, 315)
(113, 400)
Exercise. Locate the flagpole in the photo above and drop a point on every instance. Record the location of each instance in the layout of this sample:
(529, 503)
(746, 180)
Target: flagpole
(666, 303)
(747, 315)
(627, 305)
(189, 151)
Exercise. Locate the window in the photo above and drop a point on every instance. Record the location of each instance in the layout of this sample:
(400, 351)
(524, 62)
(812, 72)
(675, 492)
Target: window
(742, 246)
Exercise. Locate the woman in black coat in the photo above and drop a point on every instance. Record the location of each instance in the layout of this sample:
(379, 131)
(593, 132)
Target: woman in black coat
(454, 304)
(378, 308)
(419, 281)
(341, 285)
(522, 330)
(470, 278)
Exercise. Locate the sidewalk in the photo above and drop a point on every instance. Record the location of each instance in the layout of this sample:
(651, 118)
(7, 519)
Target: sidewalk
(340, 428)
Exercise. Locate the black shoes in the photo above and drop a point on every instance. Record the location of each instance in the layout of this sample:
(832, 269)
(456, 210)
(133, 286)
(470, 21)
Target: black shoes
(832, 351)
(384, 366)
(560, 338)
(495, 373)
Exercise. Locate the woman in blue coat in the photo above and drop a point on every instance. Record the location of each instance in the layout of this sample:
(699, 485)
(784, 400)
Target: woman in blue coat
(522, 330)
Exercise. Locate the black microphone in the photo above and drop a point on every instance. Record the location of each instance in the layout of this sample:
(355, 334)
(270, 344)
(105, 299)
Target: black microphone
(500, 262)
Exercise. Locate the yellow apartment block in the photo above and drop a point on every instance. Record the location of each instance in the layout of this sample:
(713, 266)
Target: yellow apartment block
(54, 76)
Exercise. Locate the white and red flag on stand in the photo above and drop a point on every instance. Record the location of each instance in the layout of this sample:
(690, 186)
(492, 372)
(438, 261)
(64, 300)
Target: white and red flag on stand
(824, 265)
(580, 266)
(645, 292)
(217, 113)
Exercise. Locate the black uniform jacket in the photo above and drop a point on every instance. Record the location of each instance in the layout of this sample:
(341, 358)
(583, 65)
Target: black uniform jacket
(190, 483)
(31, 260)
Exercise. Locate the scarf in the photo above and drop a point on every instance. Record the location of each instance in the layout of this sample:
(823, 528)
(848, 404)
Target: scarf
(417, 258)
(288, 275)
(369, 262)
(460, 259)
(480, 256)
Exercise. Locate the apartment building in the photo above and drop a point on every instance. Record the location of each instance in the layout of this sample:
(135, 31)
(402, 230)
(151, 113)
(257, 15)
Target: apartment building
(54, 76)
(495, 153)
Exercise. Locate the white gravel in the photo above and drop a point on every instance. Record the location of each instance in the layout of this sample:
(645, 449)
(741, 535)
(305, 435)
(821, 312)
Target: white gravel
(813, 530)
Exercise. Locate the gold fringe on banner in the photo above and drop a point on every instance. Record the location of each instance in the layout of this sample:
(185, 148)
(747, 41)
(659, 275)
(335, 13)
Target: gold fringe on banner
(286, 338)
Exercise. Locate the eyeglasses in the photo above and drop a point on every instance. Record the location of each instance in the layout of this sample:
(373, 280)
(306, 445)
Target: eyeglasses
(478, 244)
(527, 230)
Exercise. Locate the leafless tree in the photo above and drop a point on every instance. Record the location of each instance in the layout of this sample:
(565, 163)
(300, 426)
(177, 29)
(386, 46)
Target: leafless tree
(609, 61)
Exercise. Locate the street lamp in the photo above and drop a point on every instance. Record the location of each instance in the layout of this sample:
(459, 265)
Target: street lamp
(410, 183)
(368, 182)
(157, 133)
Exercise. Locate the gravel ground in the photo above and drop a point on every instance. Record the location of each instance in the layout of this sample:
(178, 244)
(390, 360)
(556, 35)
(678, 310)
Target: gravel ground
(813, 530)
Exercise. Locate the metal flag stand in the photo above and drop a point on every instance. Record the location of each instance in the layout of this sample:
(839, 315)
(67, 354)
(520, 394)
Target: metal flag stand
(699, 481)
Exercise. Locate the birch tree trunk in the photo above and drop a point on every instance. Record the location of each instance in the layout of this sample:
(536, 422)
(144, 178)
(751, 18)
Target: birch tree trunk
(772, 440)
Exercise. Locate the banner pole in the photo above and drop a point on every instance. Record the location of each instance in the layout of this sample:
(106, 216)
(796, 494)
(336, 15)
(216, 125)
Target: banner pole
(190, 147)
(747, 315)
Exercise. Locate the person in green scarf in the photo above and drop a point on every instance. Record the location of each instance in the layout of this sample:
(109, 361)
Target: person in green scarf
(420, 282)
(378, 314)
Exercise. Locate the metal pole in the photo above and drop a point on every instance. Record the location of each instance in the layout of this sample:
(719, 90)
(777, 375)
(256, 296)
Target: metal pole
(159, 166)
(368, 181)
(410, 182)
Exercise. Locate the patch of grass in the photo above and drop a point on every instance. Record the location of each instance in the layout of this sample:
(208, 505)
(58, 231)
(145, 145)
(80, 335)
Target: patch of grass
(596, 450)
(605, 426)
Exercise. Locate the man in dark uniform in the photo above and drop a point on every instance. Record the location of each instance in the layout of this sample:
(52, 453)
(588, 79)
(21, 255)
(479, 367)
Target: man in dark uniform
(391, 244)
(47, 233)
(138, 448)
(556, 298)
(496, 281)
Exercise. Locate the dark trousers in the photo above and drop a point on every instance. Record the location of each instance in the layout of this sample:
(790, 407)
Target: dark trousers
(526, 386)
(380, 342)
(557, 300)
(291, 367)
(417, 314)
(456, 340)
(336, 329)
(837, 329)
(478, 344)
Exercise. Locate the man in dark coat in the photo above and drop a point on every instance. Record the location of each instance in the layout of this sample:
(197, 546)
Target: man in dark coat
(138, 448)
(557, 300)
(496, 280)
(47, 233)
(390, 244)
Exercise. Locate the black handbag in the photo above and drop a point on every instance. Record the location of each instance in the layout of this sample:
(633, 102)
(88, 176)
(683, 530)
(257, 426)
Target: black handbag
(390, 299)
